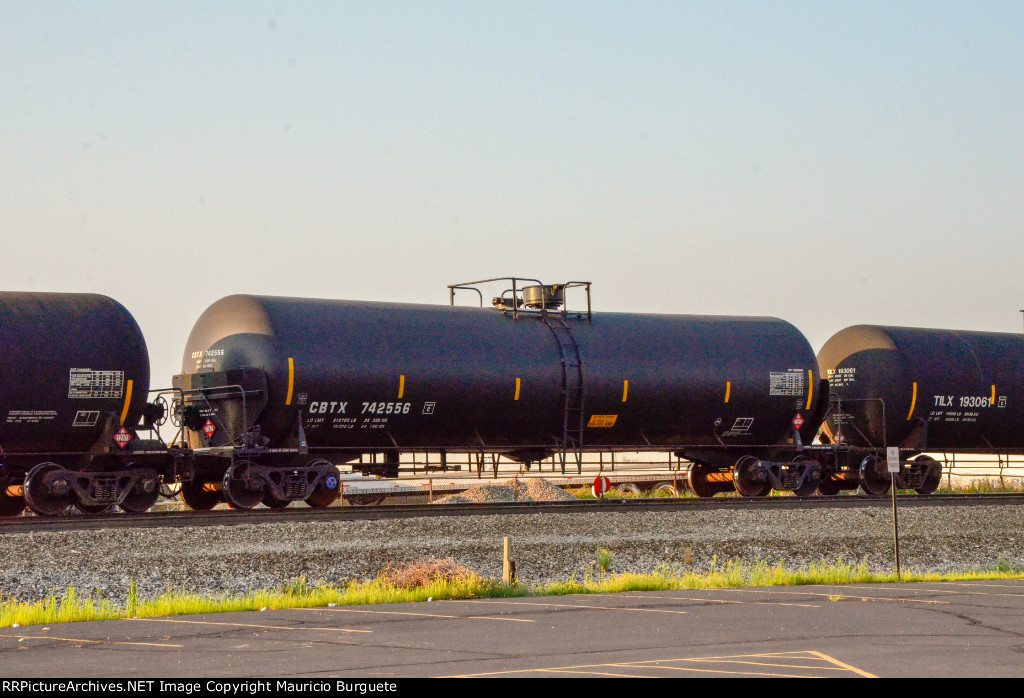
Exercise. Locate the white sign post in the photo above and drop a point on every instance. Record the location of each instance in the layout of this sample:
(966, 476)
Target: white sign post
(892, 458)
(892, 461)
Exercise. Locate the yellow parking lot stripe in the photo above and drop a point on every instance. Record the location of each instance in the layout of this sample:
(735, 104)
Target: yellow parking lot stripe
(573, 605)
(703, 670)
(809, 655)
(839, 593)
(1019, 586)
(764, 664)
(245, 625)
(930, 590)
(590, 673)
(752, 603)
(844, 665)
(424, 615)
(590, 669)
(90, 642)
(668, 665)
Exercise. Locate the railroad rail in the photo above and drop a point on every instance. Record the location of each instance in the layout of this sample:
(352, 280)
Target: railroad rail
(645, 471)
(180, 519)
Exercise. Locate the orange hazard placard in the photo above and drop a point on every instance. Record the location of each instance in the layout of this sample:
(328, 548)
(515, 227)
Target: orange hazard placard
(602, 421)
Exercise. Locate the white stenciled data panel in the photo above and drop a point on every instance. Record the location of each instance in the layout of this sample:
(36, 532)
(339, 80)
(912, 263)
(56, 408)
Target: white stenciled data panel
(85, 383)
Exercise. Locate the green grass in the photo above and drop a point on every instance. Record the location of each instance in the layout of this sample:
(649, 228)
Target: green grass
(463, 584)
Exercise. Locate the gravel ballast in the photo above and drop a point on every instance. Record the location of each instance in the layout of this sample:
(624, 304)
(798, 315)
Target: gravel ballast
(211, 560)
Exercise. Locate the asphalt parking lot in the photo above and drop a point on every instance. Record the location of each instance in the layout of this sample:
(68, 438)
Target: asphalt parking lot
(893, 630)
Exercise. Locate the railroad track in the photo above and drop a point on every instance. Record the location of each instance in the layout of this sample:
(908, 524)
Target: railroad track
(181, 519)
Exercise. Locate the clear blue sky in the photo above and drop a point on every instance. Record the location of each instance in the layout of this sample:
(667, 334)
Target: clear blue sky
(830, 163)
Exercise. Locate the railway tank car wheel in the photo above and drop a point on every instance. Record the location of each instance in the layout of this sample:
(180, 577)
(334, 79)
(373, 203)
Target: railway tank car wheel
(198, 496)
(810, 484)
(697, 479)
(827, 486)
(11, 505)
(272, 502)
(47, 490)
(328, 489)
(933, 474)
(874, 477)
(242, 488)
(143, 495)
(746, 481)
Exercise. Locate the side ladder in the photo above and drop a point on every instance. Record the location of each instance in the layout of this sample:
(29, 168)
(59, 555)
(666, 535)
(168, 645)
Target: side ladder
(572, 391)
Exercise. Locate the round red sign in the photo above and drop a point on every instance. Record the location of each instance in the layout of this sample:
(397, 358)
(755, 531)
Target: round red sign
(601, 486)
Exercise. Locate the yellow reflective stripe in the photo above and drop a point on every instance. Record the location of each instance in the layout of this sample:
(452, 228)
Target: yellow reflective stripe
(728, 390)
(518, 383)
(993, 403)
(625, 390)
(401, 386)
(291, 381)
(913, 402)
(127, 401)
(810, 387)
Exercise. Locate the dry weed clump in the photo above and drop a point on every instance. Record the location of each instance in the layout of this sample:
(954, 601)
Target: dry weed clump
(423, 574)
